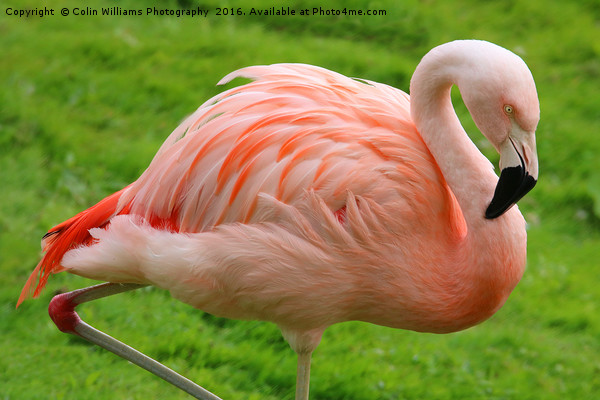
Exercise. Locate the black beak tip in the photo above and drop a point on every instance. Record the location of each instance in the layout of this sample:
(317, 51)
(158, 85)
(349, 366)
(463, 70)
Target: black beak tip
(494, 212)
(514, 183)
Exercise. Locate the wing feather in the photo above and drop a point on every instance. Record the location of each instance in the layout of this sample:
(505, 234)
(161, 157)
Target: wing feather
(294, 128)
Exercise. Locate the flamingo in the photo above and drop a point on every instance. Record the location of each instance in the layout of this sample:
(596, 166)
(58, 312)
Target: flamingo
(307, 198)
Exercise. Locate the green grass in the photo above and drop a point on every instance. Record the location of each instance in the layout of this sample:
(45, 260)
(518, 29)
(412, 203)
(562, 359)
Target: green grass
(86, 101)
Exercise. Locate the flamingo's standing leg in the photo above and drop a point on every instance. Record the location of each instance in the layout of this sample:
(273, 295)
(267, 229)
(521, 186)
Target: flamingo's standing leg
(62, 312)
(303, 375)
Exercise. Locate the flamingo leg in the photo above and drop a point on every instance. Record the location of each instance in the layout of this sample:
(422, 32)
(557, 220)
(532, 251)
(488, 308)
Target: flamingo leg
(303, 375)
(62, 312)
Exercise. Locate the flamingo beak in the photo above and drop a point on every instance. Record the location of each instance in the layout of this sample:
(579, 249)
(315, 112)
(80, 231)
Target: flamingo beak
(519, 173)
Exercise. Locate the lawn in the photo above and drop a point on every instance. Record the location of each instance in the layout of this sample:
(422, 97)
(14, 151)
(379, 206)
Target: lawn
(85, 102)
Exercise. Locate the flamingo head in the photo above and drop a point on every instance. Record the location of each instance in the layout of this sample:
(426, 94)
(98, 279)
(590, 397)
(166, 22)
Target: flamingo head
(501, 96)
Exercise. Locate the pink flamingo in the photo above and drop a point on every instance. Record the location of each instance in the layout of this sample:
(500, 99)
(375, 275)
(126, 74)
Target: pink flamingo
(307, 198)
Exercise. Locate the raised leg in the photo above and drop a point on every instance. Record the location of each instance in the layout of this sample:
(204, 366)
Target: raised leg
(62, 312)
(303, 376)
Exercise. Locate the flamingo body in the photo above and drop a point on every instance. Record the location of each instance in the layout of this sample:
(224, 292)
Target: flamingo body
(306, 198)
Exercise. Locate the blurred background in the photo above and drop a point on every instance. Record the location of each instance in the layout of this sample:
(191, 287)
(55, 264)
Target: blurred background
(85, 102)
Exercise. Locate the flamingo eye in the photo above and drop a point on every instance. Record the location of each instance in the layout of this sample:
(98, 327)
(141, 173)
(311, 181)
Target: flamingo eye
(508, 109)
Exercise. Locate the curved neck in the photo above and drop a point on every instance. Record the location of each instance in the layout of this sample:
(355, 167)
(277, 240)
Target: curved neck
(492, 255)
(468, 173)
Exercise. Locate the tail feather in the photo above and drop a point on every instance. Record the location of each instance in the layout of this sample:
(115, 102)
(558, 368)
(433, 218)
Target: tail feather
(72, 233)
